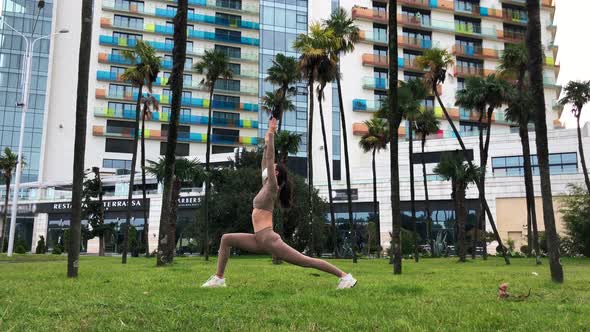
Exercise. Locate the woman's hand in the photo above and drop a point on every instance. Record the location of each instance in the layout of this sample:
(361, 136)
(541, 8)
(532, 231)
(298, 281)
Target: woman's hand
(272, 125)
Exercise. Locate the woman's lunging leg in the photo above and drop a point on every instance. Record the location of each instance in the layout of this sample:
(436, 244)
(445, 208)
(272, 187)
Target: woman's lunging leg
(243, 241)
(272, 242)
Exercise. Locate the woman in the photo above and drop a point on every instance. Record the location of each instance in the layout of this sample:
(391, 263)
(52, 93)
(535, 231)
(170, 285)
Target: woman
(274, 183)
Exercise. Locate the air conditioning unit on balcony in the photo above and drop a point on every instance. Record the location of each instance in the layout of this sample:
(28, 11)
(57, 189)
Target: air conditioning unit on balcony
(122, 171)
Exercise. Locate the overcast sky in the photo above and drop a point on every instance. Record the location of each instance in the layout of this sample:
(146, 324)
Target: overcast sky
(573, 39)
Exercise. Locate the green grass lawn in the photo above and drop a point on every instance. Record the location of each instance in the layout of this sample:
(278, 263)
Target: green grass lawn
(435, 294)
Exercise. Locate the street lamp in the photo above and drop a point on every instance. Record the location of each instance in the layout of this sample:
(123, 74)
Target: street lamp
(26, 74)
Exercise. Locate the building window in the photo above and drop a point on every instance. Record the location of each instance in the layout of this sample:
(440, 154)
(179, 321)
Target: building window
(379, 32)
(117, 70)
(228, 19)
(118, 145)
(190, 10)
(559, 163)
(215, 149)
(126, 35)
(182, 149)
(122, 109)
(468, 128)
(229, 35)
(468, 46)
(467, 5)
(468, 66)
(116, 163)
(130, 5)
(416, 16)
(232, 4)
(410, 57)
(514, 31)
(128, 22)
(235, 68)
(120, 91)
(515, 13)
(467, 25)
(226, 116)
(226, 99)
(460, 84)
(231, 52)
(230, 85)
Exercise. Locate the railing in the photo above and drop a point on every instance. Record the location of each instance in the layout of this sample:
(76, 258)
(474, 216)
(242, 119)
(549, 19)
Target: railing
(469, 71)
(200, 18)
(415, 42)
(188, 102)
(224, 4)
(370, 36)
(376, 83)
(477, 51)
(184, 118)
(167, 30)
(363, 105)
(374, 60)
(182, 136)
(370, 14)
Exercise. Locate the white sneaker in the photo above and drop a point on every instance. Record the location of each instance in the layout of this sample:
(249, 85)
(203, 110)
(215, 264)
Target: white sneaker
(347, 282)
(214, 282)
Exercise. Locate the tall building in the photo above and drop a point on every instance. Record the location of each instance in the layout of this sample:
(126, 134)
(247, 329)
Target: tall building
(475, 33)
(28, 19)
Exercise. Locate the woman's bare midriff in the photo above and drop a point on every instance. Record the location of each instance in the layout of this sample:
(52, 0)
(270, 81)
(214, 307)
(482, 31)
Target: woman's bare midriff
(261, 219)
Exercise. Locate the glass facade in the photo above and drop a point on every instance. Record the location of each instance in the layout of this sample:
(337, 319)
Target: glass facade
(559, 163)
(22, 15)
(280, 23)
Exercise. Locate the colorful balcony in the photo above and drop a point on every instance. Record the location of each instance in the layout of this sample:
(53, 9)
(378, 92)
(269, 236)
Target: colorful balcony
(463, 71)
(416, 43)
(187, 102)
(161, 135)
(167, 48)
(375, 83)
(369, 14)
(374, 38)
(363, 105)
(374, 60)
(511, 37)
(223, 5)
(514, 17)
(106, 112)
(360, 129)
(196, 34)
(491, 12)
(412, 21)
(427, 4)
(408, 64)
(208, 19)
(476, 51)
(454, 113)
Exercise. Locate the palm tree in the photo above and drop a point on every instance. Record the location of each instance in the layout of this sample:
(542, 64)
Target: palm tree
(8, 162)
(214, 65)
(313, 48)
(578, 94)
(80, 137)
(436, 61)
(185, 172)
(482, 94)
(426, 124)
(273, 103)
(143, 73)
(411, 108)
(346, 34)
(453, 167)
(394, 118)
(149, 103)
(286, 143)
(327, 72)
(166, 249)
(535, 68)
(513, 63)
(283, 73)
(373, 141)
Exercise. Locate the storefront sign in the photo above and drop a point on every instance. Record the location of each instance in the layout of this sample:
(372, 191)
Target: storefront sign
(189, 201)
(111, 205)
(341, 195)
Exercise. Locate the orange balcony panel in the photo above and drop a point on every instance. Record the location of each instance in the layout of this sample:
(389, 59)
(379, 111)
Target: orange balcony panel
(134, 8)
(97, 130)
(359, 129)
(409, 20)
(374, 60)
(446, 4)
(557, 124)
(416, 3)
(453, 113)
(370, 14)
(401, 131)
(103, 57)
(101, 93)
(548, 3)
(105, 22)
(494, 12)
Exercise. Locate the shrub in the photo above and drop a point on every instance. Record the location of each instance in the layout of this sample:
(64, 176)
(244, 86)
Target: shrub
(20, 249)
(525, 249)
(56, 250)
(576, 217)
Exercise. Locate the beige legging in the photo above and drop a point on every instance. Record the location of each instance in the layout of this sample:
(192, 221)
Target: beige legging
(267, 241)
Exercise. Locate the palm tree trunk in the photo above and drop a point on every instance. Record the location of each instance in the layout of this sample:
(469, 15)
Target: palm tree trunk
(484, 201)
(581, 148)
(80, 137)
(143, 204)
(461, 214)
(412, 192)
(101, 248)
(131, 176)
(535, 51)
(481, 217)
(426, 201)
(394, 122)
(375, 208)
(328, 173)
(280, 108)
(166, 239)
(530, 191)
(347, 166)
(310, 164)
(207, 178)
(5, 212)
